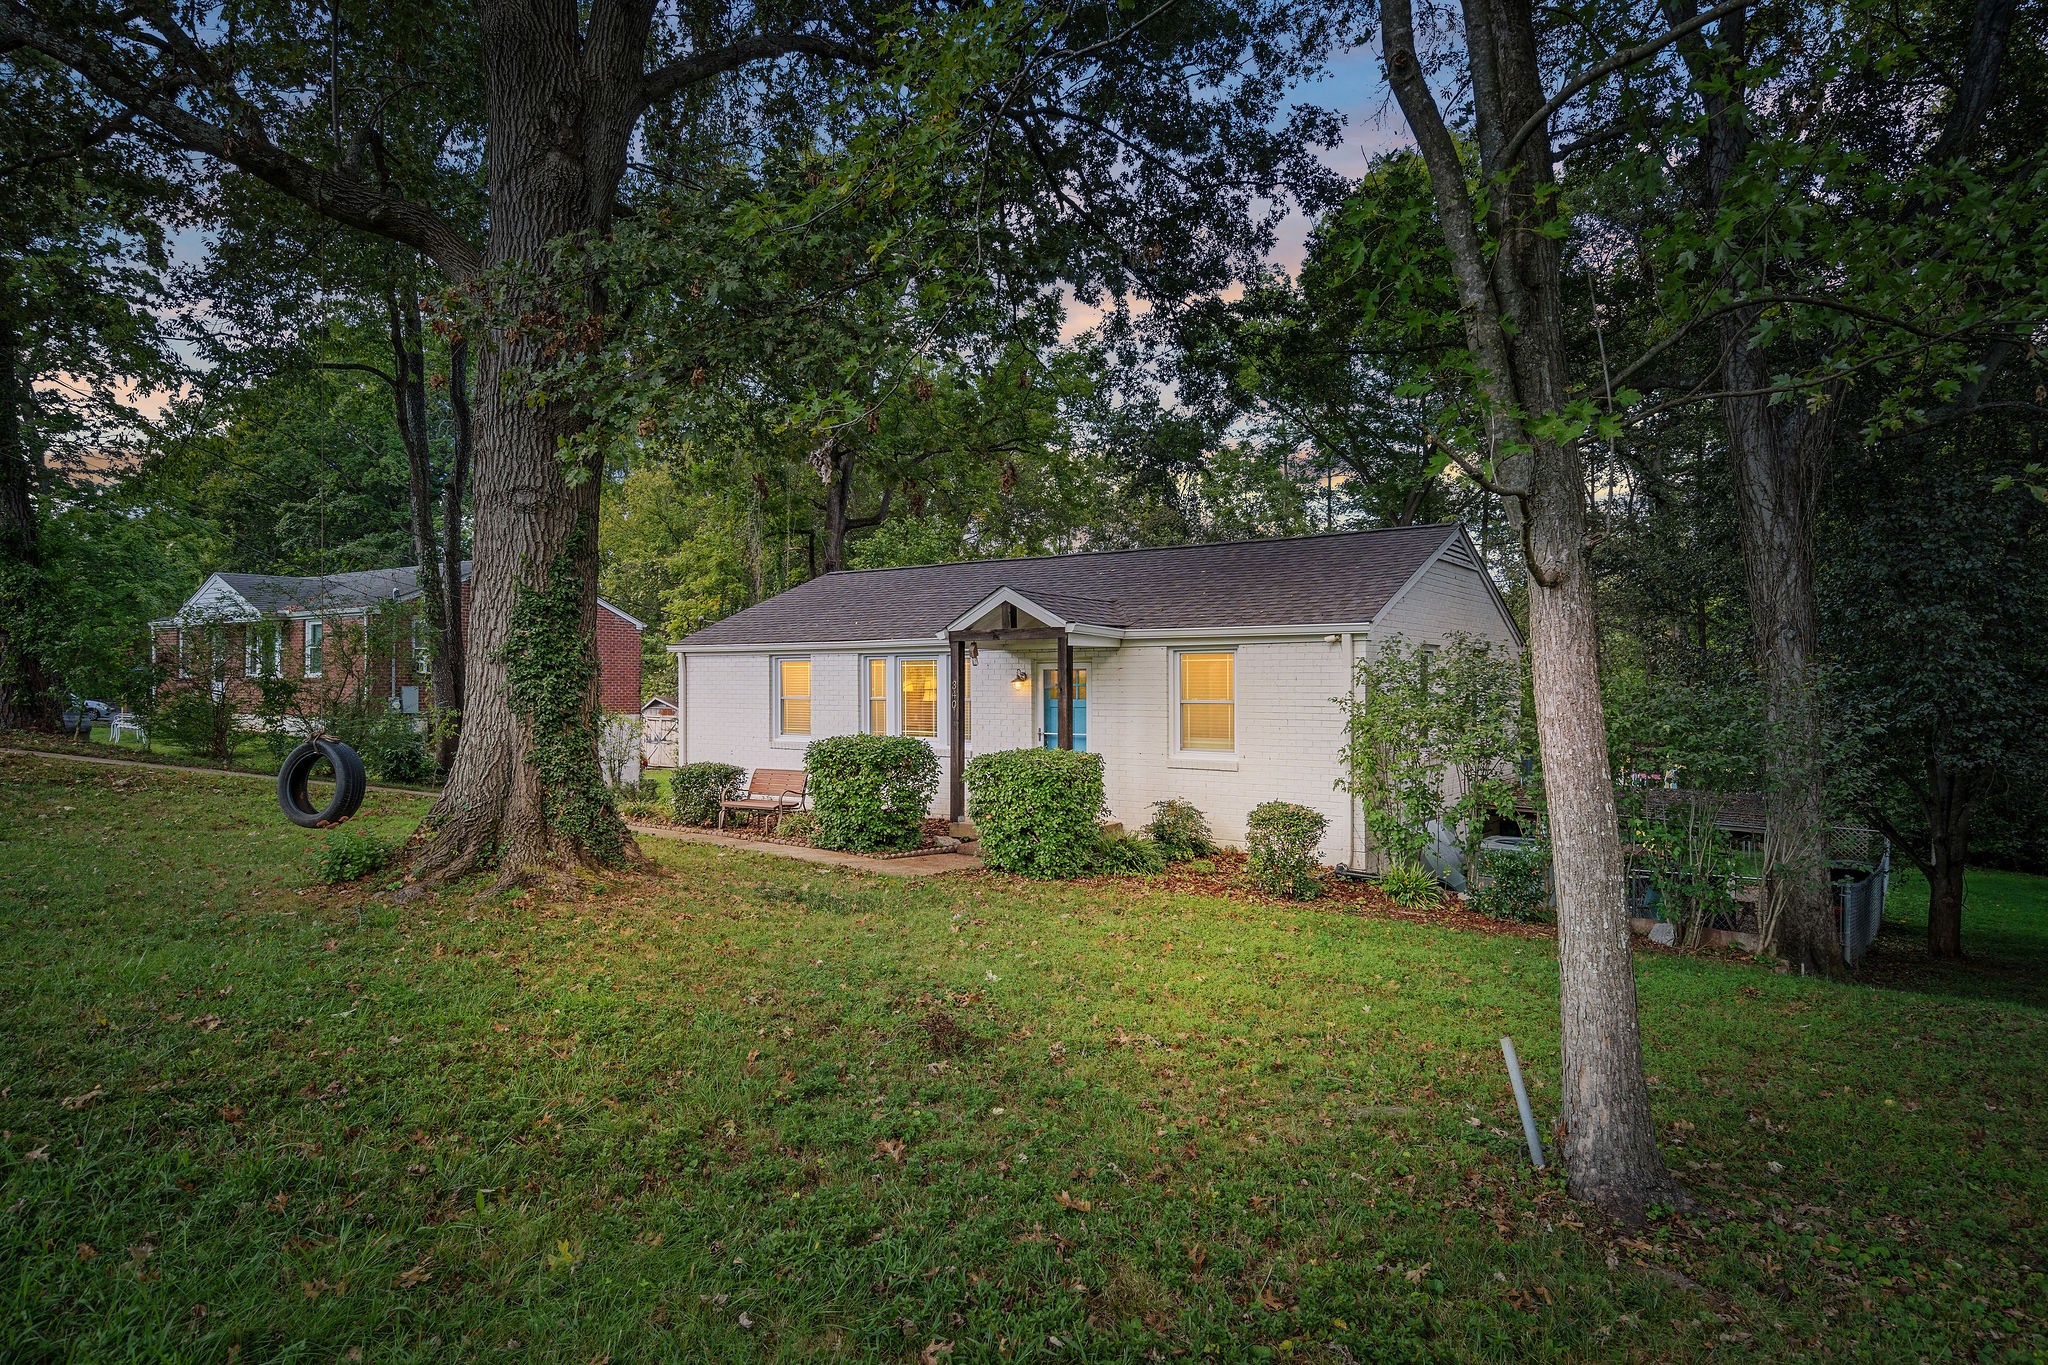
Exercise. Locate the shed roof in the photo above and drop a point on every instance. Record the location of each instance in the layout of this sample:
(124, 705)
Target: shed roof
(1345, 577)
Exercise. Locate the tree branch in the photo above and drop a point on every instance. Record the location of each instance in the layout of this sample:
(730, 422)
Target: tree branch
(673, 77)
(1626, 57)
(344, 197)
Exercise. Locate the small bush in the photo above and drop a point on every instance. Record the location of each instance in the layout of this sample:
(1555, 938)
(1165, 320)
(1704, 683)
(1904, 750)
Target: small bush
(1036, 810)
(798, 824)
(350, 855)
(697, 788)
(1512, 883)
(1280, 848)
(633, 808)
(1180, 831)
(1410, 884)
(869, 793)
(1119, 856)
(390, 743)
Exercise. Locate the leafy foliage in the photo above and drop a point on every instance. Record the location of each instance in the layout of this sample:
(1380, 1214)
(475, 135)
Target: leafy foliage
(550, 669)
(1180, 830)
(695, 789)
(1512, 883)
(1280, 848)
(1418, 716)
(1037, 810)
(349, 855)
(870, 793)
(1410, 884)
(1125, 855)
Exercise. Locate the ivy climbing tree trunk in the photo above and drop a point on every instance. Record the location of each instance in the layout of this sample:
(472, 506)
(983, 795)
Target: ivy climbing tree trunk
(564, 88)
(1509, 282)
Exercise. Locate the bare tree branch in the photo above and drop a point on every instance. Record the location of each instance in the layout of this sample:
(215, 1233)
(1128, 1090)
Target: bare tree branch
(673, 77)
(1626, 57)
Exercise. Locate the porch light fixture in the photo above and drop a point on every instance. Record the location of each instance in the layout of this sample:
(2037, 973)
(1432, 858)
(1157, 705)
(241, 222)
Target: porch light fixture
(1023, 678)
(973, 650)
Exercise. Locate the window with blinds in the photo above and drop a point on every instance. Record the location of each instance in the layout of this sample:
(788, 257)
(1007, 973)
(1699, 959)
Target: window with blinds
(793, 696)
(878, 696)
(918, 681)
(1208, 703)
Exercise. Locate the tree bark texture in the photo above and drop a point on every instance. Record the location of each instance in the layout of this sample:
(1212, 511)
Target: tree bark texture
(1511, 302)
(1778, 456)
(561, 108)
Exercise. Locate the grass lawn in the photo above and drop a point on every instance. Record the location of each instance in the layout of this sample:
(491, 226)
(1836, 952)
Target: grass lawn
(747, 1108)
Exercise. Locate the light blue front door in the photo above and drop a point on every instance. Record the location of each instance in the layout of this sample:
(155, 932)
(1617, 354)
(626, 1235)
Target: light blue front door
(1051, 691)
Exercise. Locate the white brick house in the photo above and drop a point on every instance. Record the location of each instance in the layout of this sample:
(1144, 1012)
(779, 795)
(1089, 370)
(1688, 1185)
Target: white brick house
(1207, 672)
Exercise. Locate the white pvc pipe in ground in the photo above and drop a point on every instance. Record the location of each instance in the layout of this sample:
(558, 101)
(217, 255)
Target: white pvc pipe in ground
(1507, 1050)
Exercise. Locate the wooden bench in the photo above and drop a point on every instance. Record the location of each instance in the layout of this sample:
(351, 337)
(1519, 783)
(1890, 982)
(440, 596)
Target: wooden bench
(770, 792)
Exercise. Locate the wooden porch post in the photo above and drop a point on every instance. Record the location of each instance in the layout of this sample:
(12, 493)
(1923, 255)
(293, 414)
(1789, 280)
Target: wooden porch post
(1066, 690)
(956, 785)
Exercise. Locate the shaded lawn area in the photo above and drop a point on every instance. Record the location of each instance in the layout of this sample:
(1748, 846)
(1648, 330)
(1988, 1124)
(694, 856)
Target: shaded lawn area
(749, 1108)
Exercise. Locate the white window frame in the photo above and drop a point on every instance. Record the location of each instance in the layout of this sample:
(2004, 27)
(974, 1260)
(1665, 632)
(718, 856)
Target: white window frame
(1174, 704)
(422, 659)
(184, 659)
(775, 698)
(252, 649)
(892, 684)
(315, 639)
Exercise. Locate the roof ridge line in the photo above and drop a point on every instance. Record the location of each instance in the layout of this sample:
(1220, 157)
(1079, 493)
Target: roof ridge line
(1144, 549)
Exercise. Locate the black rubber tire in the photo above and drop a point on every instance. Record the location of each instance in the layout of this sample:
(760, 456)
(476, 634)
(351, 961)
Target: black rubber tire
(349, 783)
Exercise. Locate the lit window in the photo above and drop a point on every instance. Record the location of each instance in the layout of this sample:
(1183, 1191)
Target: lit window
(1208, 703)
(793, 696)
(919, 684)
(878, 696)
(316, 647)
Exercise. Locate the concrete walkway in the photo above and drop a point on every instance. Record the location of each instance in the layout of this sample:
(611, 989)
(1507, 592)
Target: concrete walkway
(924, 865)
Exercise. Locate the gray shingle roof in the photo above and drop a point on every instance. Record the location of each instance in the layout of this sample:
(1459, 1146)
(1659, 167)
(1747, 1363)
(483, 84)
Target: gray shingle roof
(279, 592)
(1346, 577)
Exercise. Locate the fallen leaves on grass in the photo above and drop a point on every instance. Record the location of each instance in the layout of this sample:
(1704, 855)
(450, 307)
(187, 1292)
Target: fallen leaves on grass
(1067, 1201)
(81, 1101)
(889, 1147)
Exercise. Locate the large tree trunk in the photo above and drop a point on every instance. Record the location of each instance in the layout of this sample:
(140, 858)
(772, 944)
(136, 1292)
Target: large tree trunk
(28, 693)
(1948, 804)
(560, 112)
(1511, 301)
(1778, 454)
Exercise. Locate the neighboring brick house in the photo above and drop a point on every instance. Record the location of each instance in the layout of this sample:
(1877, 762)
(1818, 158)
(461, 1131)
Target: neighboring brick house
(359, 633)
(1200, 671)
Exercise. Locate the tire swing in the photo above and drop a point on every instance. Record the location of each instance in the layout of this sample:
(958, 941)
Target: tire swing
(349, 783)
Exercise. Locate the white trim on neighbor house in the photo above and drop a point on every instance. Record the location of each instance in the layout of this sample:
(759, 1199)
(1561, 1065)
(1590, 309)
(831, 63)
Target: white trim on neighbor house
(631, 620)
(1463, 539)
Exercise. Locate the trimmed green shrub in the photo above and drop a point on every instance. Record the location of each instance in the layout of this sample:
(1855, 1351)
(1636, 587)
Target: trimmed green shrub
(1180, 831)
(1280, 848)
(869, 793)
(1036, 810)
(635, 809)
(697, 788)
(798, 824)
(1512, 883)
(1120, 855)
(390, 743)
(352, 854)
(1410, 884)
